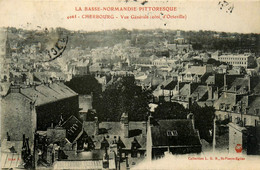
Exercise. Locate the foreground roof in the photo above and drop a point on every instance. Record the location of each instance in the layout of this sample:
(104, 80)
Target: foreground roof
(175, 132)
(44, 94)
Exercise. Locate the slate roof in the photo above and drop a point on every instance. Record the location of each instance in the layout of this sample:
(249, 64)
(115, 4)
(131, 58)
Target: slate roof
(154, 80)
(184, 91)
(256, 89)
(210, 80)
(74, 128)
(44, 94)
(168, 84)
(228, 99)
(239, 83)
(113, 130)
(186, 136)
(41, 76)
(253, 103)
(201, 90)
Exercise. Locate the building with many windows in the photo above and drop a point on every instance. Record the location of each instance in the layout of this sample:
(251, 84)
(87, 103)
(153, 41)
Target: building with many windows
(242, 60)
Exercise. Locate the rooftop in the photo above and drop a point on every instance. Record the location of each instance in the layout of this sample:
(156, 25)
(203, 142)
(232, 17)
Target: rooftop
(113, 130)
(43, 94)
(198, 70)
(200, 91)
(185, 134)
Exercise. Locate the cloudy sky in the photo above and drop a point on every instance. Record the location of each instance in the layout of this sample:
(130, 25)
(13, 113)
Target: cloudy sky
(200, 15)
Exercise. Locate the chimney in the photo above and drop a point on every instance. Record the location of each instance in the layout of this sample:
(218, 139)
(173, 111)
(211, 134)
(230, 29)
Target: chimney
(178, 87)
(150, 121)
(144, 131)
(105, 160)
(96, 126)
(189, 102)
(249, 83)
(214, 79)
(34, 86)
(8, 136)
(216, 94)
(24, 144)
(210, 92)
(225, 82)
(235, 88)
(149, 140)
(189, 85)
(125, 124)
(28, 146)
(190, 116)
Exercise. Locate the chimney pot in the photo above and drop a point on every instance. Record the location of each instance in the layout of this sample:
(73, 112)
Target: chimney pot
(96, 126)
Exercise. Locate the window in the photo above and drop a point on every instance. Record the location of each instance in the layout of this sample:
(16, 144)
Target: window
(172, 133)
(228, 107)
(222, 106)
(244, 121)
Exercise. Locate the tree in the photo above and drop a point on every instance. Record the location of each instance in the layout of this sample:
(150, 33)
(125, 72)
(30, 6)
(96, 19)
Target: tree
(213, 62)
(84, 84)
(170, 110)
(204, 116)
(123, 96)
(204, 119)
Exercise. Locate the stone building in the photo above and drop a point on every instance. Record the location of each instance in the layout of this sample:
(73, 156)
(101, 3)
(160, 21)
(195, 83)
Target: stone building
(25, 110)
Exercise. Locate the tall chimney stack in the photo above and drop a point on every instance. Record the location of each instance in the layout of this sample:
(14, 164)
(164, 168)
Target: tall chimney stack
(189, 88)
(210, 92)
(96, 126)
(189, 102)
(125, 124)
(144, 131)
(249, 84)
(225, 82)
(178, 87)
(216, 94)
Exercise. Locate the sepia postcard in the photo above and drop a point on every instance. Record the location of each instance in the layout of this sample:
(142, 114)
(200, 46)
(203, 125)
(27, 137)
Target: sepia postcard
(130, 84)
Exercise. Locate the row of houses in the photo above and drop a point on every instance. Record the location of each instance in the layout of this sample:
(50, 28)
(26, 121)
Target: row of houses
(41, 127)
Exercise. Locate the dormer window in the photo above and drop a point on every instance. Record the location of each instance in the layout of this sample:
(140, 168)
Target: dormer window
(239, 109)
(172, 133)
(222, 106)
(228, 107)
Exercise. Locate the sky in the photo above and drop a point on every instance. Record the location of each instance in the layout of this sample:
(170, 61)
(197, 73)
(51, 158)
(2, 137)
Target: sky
(200, 15)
